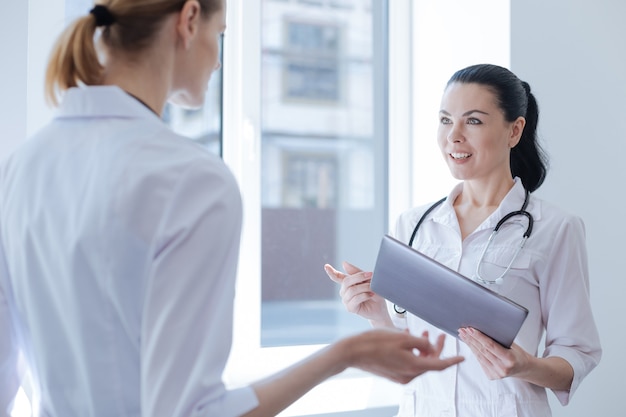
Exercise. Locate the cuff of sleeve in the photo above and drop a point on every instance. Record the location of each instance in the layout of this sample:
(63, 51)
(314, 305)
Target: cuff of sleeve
(233, 403)
(573, 359)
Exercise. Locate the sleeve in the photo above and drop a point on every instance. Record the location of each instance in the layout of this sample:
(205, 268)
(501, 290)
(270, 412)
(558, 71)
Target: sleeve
(571, 331)
(9, 350)
(187, 315)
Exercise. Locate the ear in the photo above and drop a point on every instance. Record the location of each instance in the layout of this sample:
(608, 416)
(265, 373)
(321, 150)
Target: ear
(188, 22)
(517, 127)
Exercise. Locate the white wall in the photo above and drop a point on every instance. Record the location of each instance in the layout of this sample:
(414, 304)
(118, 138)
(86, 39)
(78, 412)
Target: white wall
(13, 74)
(447, 36)
(572, 53)
(27, 33)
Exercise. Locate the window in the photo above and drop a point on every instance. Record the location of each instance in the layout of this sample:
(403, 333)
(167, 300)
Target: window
(311, 66)
(323, 161)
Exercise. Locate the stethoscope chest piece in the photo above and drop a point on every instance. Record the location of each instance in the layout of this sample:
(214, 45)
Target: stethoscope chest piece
(399, 310)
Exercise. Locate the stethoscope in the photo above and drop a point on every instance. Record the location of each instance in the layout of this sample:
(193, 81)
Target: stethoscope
(477, 275)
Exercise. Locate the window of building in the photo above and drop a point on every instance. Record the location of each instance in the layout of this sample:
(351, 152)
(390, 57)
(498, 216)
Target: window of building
(323, 147)
(311, 61)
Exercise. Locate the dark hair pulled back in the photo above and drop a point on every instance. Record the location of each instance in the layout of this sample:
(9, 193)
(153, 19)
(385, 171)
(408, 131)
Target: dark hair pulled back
(529, 162)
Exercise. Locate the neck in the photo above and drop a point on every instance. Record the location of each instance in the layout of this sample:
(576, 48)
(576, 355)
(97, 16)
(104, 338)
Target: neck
(148, 86)
(484, 195)
(477, 201)
(146, 75)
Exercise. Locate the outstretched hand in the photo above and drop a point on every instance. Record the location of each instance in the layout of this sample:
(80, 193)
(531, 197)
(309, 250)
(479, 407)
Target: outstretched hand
(391, 353)
(356, 293)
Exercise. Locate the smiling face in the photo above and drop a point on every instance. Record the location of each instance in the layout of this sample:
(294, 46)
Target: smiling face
(474, 137)
(200, 58)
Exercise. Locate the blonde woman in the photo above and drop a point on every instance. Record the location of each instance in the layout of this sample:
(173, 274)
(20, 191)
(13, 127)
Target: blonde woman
(119, 239)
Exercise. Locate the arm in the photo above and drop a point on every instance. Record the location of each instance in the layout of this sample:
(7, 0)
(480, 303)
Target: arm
(189, 291)
(388, 353)
(572, 342)
(187, 319)
(571, 333)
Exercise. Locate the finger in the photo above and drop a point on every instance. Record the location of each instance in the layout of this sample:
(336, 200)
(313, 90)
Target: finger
(357, 279)
(421, 364)
(436, 364)
(422, 344)
(488, 361)
(334, 274)
(350, 269)
(487, 346)
(354, 304)
(471, 342)
(471, 337)
(346, 292)
(441, 339)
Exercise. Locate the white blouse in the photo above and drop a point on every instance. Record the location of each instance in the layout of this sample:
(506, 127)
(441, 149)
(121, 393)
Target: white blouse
(549, 277)
(118, 248)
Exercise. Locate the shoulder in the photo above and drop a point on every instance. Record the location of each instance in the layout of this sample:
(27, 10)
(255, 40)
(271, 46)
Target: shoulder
(407, 220)
(168, 183)
(168, 154)
(412, 215)
(555, 219)
(161, 168)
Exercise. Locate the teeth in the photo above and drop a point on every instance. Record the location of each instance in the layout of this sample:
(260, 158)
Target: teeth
(460, 155)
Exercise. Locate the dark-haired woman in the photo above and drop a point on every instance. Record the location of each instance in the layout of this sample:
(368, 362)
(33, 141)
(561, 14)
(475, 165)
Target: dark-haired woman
(488, 137)
(119, 239)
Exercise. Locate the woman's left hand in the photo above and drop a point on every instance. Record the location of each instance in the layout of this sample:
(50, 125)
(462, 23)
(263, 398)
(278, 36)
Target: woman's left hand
(497, 361)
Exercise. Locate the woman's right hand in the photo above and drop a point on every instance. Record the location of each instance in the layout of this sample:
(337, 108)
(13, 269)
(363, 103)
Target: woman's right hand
(357, 295)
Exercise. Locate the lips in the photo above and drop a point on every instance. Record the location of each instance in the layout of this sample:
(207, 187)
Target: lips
(460, 155)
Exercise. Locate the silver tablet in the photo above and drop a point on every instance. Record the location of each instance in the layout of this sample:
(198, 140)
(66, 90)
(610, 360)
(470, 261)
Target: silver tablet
(442, 296)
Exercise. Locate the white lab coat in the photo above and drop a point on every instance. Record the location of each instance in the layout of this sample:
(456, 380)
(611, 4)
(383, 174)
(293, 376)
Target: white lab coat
(549, 278)
(119, 242)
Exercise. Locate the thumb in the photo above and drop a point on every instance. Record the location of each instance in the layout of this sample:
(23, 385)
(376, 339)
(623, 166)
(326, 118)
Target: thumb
(334, 274)
(350, 269)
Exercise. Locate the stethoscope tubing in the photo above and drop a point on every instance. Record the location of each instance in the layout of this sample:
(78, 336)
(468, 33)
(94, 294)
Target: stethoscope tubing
(525, 236)
(529, 229)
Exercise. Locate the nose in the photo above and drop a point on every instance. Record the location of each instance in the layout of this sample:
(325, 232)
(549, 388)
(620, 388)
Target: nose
(218, 65)
(456, 134)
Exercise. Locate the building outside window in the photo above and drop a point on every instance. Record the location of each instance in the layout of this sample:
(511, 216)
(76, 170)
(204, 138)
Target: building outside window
(323, 153)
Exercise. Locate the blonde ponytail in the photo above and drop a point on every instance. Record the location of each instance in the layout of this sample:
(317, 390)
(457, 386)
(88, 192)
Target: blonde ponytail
(73, 60)
(128, 26)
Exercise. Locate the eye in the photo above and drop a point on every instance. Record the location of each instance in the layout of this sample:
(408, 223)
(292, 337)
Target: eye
(474, 121)
(445, 121)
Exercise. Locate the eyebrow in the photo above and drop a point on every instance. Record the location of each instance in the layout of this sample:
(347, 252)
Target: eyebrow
(467, 113)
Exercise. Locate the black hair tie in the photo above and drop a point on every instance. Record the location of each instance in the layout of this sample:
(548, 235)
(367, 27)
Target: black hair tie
(103, 15)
